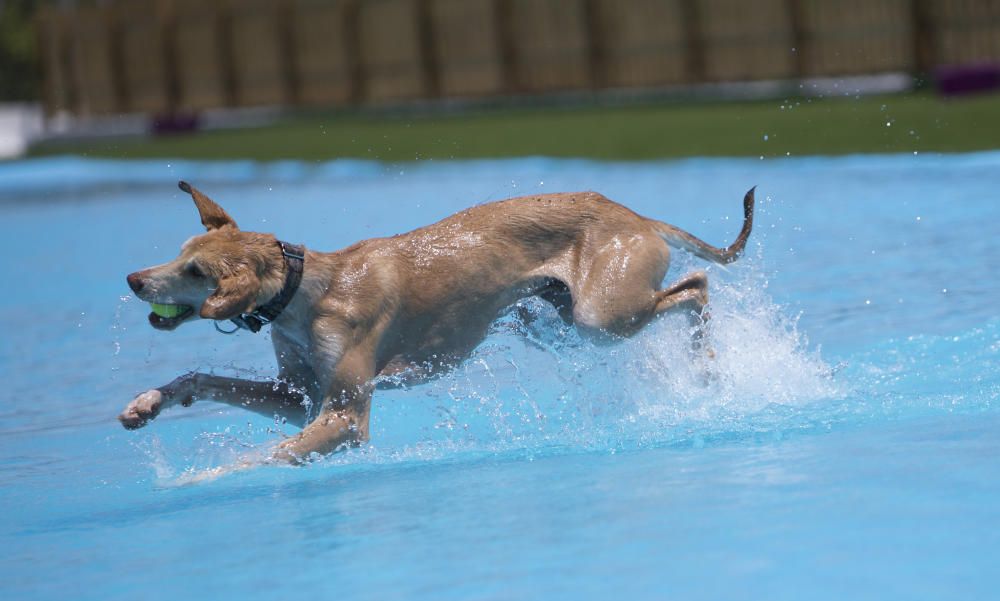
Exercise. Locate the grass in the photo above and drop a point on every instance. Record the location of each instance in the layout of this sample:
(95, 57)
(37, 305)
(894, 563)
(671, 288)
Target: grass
(899, 123)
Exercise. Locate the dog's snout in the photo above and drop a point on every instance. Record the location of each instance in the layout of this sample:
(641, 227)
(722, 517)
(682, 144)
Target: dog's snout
(135, 282)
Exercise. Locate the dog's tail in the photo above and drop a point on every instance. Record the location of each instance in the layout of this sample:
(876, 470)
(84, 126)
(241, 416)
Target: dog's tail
(679, 238)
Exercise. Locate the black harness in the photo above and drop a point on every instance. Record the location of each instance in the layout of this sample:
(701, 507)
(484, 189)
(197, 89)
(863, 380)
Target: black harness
(295, 258)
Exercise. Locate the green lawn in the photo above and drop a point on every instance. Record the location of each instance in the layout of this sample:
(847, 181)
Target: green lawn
(899, 123)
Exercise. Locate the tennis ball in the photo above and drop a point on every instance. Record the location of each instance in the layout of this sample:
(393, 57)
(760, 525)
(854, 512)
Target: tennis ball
(167, 311)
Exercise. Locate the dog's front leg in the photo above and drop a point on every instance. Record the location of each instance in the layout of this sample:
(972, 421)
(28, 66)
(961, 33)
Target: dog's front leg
(265, 398)
(343, 419)
(332, 430)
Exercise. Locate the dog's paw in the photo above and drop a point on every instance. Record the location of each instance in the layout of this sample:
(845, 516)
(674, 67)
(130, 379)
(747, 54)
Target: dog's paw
(143, 408)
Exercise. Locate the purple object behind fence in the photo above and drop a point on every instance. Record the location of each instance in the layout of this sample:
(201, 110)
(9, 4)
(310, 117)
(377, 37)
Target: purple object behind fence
(968, 79)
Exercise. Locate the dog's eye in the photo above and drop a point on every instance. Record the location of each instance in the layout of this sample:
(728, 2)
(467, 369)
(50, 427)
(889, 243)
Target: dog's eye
(195, 271)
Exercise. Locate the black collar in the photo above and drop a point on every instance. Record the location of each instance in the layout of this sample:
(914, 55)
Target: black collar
(295, 258)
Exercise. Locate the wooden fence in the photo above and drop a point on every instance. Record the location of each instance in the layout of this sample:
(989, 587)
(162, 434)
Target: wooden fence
(169, 56)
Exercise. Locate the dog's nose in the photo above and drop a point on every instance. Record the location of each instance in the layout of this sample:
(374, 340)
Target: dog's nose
(135, 282)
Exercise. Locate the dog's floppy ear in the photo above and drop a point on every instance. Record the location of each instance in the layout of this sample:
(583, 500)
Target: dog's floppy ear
(213, 216)
(235, 294)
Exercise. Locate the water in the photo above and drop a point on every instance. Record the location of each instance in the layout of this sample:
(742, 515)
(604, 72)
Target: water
(844, 447)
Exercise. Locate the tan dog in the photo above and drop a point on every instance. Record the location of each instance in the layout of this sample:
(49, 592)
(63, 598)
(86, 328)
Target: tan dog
(411, 305)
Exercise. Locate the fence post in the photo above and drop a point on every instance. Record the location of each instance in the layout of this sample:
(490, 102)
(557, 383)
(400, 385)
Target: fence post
(428, 57)
(507, 42)
(227, 58)
(47, 38)
(116, 56)
(596, 44)
(168, 38)
(352, 50)
(924, 42)
(286, 46)
(694, 41)
(796, 18)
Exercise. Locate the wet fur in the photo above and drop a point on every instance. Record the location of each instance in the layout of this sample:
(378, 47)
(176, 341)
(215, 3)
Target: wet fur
(408, 306)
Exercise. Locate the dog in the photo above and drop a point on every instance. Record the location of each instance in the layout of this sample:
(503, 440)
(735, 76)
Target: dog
(401, 310)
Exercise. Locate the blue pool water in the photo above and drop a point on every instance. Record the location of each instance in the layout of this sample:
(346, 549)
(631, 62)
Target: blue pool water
(846, 446)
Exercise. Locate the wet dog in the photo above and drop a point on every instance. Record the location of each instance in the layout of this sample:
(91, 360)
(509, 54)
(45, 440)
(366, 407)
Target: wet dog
(411, 305)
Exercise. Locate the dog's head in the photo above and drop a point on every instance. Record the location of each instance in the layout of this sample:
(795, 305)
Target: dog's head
(217, 275)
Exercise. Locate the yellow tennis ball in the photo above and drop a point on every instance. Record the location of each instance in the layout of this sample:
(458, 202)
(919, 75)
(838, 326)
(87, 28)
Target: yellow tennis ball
(167, 311)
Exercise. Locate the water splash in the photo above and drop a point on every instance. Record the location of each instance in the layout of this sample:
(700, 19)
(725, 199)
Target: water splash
(534, 387)
(156, 457)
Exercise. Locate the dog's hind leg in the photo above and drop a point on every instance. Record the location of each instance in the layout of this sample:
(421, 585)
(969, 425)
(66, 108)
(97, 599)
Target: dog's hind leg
(622, 310)
(274, 398)
(689, 293)
(400, 373)
(692, 281)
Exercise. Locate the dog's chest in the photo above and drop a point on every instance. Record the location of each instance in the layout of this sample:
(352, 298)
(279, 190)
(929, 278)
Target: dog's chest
(291, 346)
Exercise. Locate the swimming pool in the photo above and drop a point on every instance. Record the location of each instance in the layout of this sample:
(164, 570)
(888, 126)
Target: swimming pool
(846, 446)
